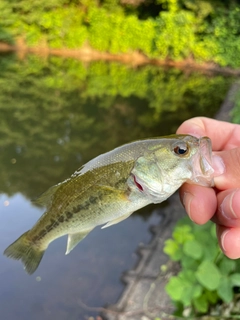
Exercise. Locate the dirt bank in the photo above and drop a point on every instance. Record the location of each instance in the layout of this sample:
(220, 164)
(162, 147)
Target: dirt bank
(135, 58)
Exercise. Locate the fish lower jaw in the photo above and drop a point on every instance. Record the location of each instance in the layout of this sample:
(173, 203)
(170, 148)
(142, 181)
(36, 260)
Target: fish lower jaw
(158, 196)
(162, 197)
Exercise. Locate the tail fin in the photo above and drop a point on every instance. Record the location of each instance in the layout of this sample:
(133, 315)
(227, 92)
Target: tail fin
(24, 250)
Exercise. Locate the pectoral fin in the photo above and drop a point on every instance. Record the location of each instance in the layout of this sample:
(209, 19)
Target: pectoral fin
(45, 200)
(74, 239)
(112, 222)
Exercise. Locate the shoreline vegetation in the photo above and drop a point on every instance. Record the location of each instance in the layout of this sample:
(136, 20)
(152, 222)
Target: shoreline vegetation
(200, 34)
(135, 59)
(76, 110)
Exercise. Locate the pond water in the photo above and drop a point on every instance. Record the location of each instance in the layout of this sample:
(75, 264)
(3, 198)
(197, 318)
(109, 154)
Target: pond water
(55, 115)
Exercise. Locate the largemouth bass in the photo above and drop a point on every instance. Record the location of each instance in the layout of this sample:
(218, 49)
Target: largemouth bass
(109, 188)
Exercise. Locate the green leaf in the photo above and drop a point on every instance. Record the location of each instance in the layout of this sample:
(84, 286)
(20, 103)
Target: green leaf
(208, 275)
(213, 230)
(210, 250)
(201, 303)
(206, 236)
(200, 228)
(175, 289)
(179, 308)
(184, 288)
(189, 263)
(190, 291)
(172, 248)
(193, 249)
(187, 275)
(224, 290)
(235, 279)
(196, 290)
(182, 234)
(212, 296)
(227, 265)
(200, 235)
(237, 264)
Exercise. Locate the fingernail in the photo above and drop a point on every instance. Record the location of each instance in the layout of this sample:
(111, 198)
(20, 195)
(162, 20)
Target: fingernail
(226, 208)
(187, 199)
(218, 165)
(223, 239)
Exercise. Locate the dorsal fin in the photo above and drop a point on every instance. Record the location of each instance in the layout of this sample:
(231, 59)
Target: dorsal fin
(45, 199)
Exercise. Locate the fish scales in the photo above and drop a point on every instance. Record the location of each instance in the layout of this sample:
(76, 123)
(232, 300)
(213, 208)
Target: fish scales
(90, 197)
(110, 187)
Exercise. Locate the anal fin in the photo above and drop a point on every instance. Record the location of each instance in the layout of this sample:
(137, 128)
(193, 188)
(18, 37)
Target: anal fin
(74, 239)
(115, 221)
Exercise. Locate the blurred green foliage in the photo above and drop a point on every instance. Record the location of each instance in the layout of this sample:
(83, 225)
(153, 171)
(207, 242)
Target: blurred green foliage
(117, 32)
(175, 29)
(56, 113)
(207, 276)
(235, 113)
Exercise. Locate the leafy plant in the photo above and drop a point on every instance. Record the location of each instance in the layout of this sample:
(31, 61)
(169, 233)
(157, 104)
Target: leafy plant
(175, 29)
(207, 276)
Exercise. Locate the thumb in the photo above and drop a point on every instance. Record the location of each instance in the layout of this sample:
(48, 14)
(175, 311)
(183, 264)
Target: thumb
(227, 169)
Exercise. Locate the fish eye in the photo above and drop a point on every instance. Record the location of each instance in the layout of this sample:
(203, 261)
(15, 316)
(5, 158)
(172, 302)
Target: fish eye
(181, 150)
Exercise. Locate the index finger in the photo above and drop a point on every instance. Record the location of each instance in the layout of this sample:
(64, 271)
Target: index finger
(224, 135)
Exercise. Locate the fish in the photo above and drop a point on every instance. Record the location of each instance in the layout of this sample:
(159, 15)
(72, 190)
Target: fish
(110, 187)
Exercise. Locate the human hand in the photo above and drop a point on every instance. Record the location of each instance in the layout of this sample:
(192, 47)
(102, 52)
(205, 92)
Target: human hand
(222, 203)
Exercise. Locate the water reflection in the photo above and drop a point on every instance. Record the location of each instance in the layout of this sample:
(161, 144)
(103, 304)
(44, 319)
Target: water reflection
(56, 114)
(90, 274)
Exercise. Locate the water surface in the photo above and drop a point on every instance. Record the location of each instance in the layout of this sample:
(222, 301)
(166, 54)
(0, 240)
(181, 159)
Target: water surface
(55, 115)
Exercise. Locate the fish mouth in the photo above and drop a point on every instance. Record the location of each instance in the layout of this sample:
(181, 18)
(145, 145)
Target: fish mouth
(202, 164)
